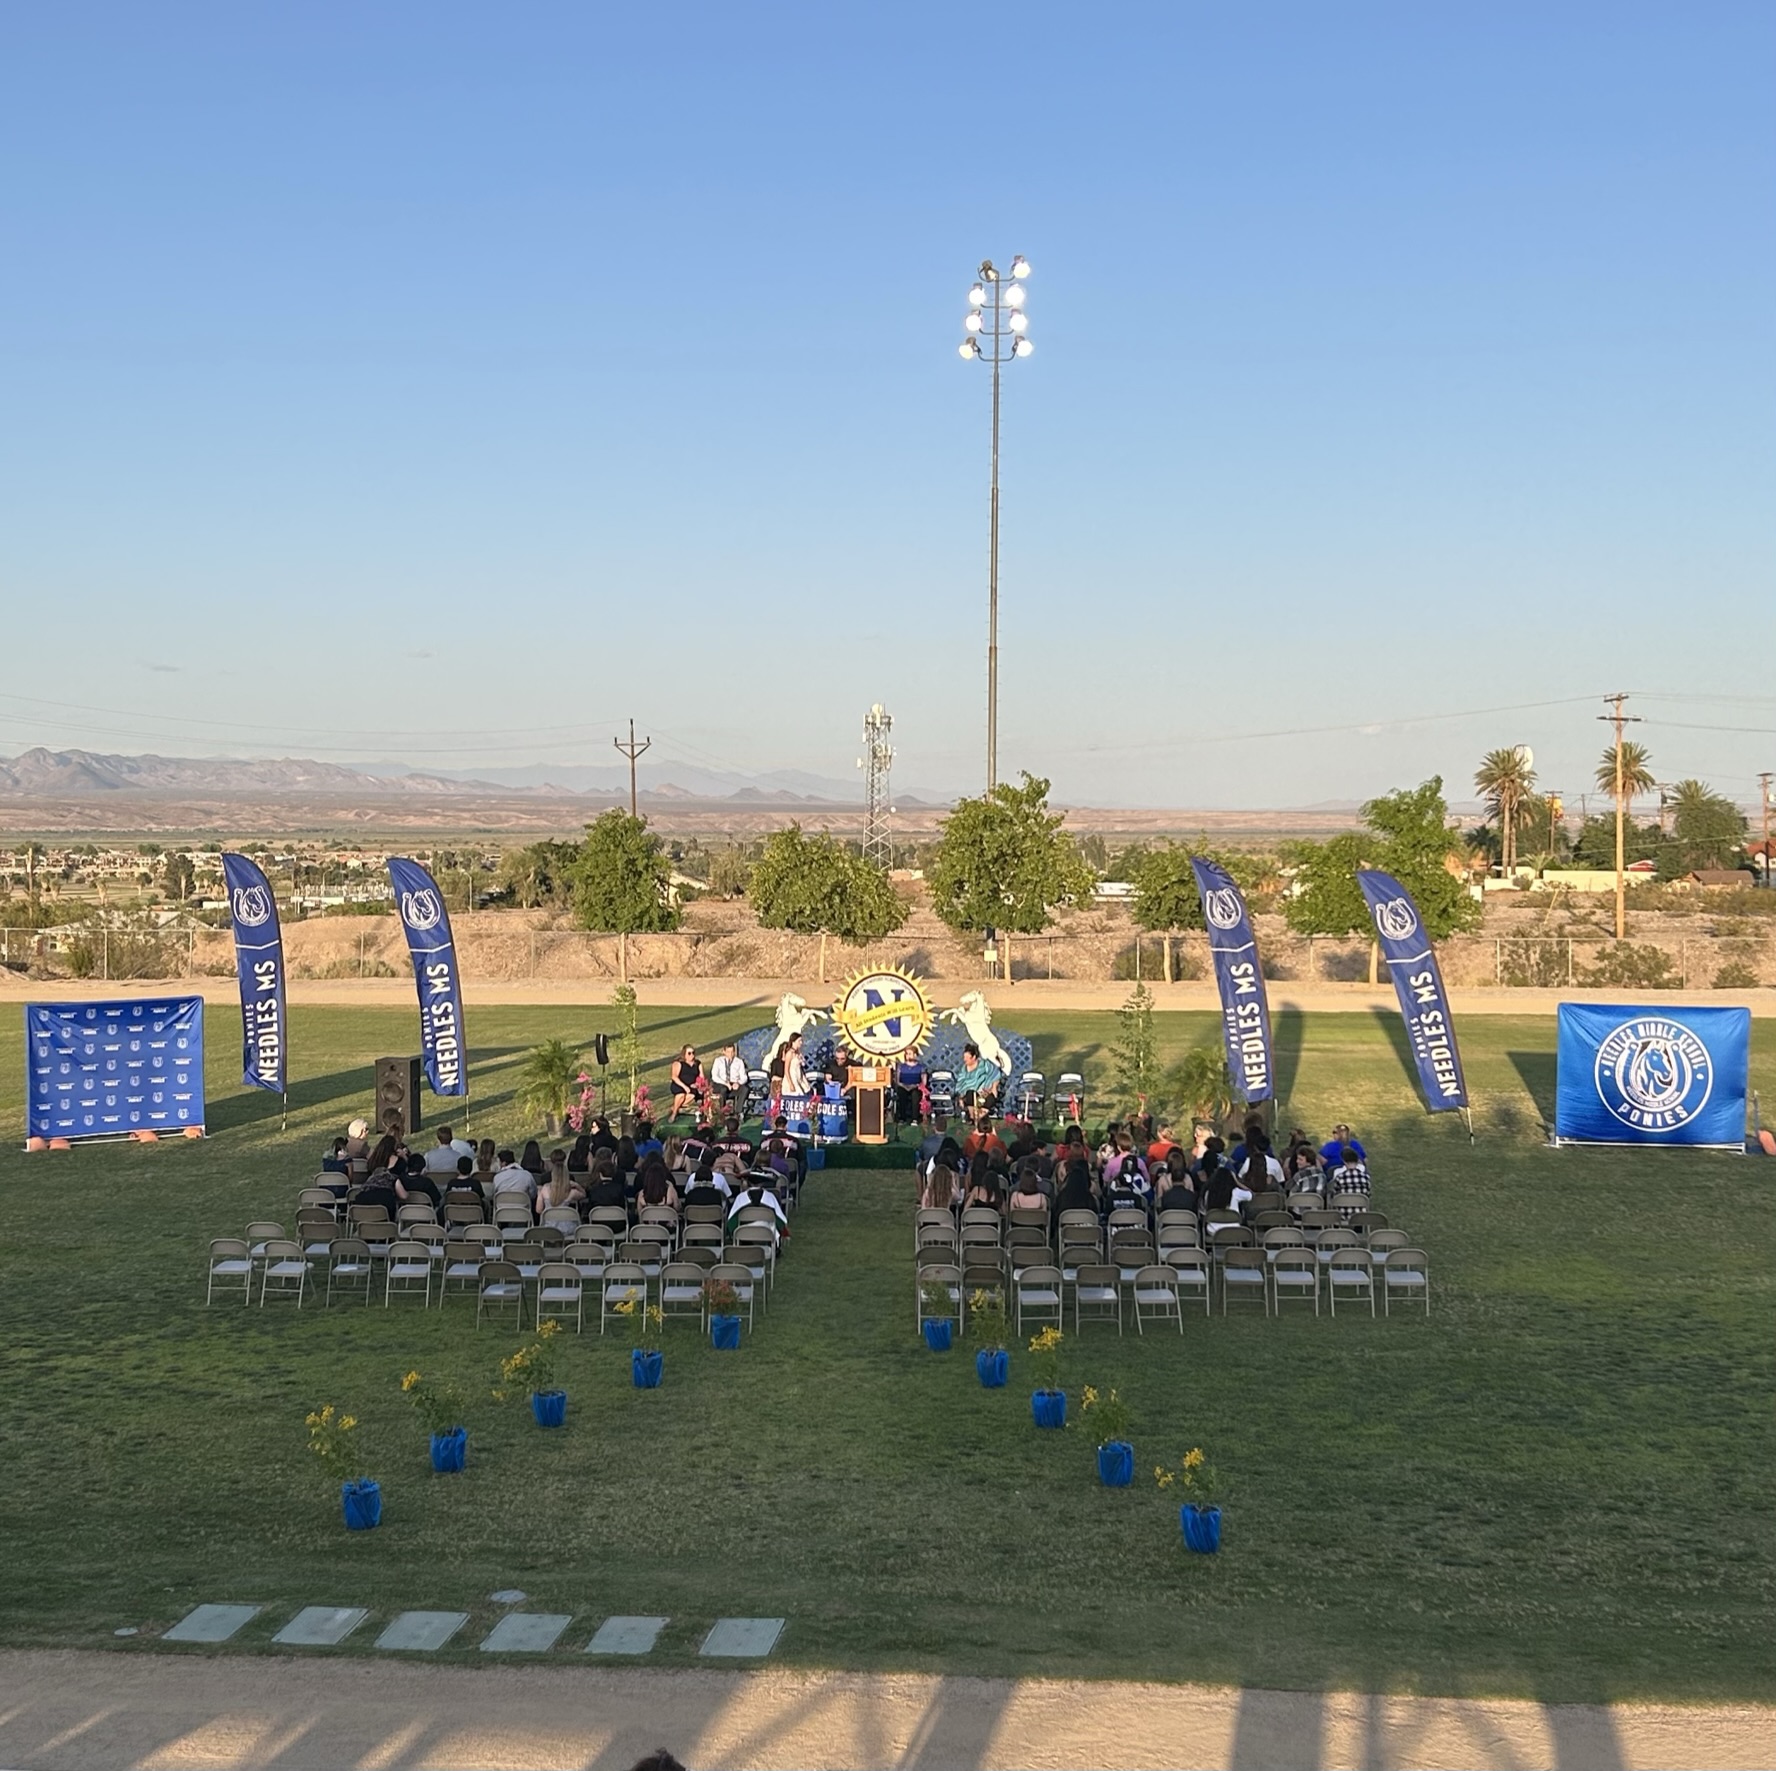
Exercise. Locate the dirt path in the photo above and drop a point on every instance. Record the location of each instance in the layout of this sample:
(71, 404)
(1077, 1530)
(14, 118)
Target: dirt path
(107, 1712)
(763, 993)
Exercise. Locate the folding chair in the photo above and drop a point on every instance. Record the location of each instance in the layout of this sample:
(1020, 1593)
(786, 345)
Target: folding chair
(1383, 1243)
(980, 1214)
(462, 1268)
(755, 1248)
(512, 1217)
(348, 1258)
(501, 1284)
(1069, 1096)
(1127, 1217)
(625, 1282)
(316, 1239)
(708, 1214)
(950, 1279)
(587, 1258)
(1327, 1243)
(528, 1258)
(1038, 1292)
(464, 1213)
(1030, 1217)
(230, 1268)
(702, 1236)
(1025, 1236)
(700, 1254)
(283, 1269)
(740, 1278)
(1243, 1274)
(1099, 1290)
(661, 1217)
(617, 1216)
(1294, 1272)
(1178, 1236)
(1155, 1293)
(1128, 1258)
(979, 1280)
(1028, 1094)
(320, 1197)
(1193, 1271)
(414, 1214)
(560, 1293)
(1274, 1241)
(314, 1217)
(408, 1269)
(563, 1218)
(262, 1232)
(681, 1289)
(1352, 1273)
(1407, 1275)
(648, 1256)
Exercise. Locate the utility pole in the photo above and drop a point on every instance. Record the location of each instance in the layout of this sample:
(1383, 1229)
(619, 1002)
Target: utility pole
(632, 750)
(1617, 718)
(1764, 781)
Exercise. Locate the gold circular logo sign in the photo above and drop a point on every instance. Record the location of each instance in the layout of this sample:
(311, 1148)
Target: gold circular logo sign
(882, 1014)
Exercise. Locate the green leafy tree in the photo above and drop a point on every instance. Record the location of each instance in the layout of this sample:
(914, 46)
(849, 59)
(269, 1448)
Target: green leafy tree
(626, 1049)
(813, 886)
(1707, 829)
(1405, 834)
(730, 873)
(1203, 1084)
(1135, 1051)
(622, 882)
(1003, 862)
(548, 1081)
(540, 873)
(178, 876)
(1166, 898)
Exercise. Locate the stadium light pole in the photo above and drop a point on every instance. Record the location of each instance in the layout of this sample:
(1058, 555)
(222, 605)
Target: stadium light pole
(997, 329)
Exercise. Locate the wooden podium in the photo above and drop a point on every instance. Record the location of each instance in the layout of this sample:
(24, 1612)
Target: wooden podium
(872, 1083)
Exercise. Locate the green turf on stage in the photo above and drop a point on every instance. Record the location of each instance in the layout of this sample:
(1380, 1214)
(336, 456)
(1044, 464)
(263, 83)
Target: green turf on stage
(1557, 1486)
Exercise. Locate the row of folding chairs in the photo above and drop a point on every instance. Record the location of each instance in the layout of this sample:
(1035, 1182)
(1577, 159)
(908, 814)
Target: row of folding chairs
(1268, 1276)
(624, 1289)
(1039, 1295)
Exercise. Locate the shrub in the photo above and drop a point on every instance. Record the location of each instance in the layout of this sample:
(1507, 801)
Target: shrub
(1735, 975)
(1532, 964)
(1628, 966)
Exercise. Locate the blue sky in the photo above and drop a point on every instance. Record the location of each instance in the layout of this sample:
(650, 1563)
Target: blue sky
(451, 383)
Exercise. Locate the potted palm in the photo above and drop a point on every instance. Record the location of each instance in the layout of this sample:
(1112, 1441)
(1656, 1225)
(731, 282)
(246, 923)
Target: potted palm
(550, 1075)
(532, 1368)
(1106, 1415)
(1048, 1402)
(721, 1303)
(1198, 1516)
(333, 1438)
(992, 1363)
(440, 1406)
(935, 1321)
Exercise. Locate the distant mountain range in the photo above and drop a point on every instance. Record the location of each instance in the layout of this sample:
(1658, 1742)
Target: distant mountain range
(85, 774)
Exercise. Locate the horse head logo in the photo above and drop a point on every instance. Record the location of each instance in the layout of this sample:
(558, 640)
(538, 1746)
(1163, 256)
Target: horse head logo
(421, 910)
(1222, 908)
(252, 906)
(1395, 919)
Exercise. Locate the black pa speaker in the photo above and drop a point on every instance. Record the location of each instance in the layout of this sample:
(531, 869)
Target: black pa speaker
(601, 1049)
(397, 1096)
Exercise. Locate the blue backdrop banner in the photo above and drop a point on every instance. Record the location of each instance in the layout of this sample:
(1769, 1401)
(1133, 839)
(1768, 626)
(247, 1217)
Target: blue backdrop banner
(104, 1069)
(1245, 1009)
(1652, 1076)
(259, 964)
(441, 1038)
(1418, 983)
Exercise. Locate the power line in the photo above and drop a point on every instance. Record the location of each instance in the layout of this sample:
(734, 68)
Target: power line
(632, 750)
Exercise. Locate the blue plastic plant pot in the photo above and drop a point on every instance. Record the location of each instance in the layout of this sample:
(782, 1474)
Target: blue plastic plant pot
(549, 1407)
(1049, 1407)
(449, 1449)
(816, 1157)
(362, 1502)
(1202, 1527)
(724, 1333)
(938, 1331)
(1116, 1463)
(647, 1367)
(993, 1368)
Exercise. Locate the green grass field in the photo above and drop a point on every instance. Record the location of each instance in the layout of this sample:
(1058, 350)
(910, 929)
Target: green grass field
(1558, 1486)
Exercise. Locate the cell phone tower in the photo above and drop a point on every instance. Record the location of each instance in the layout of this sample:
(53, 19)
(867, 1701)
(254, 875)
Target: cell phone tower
(876, 761)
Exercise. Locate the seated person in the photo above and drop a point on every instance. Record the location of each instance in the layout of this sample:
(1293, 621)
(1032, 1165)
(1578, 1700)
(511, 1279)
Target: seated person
(735, 1142)
(1177, 1185)
(1130, 1188)
(1026, 1188)
(463, 1187)
(379, 1189)
(1332, 1151)
(604, 1187)
(357, 1146)
(1162, 1146)
(603, 1138)
(687, 1083)
(646, 1144)
(984, 1138)
(781, 1145)
(1214, 1184)
(1302, 1172)
(758, 1191)
(1076, 1192)
(909, 1090)
(416, 1186)
(1351, 1175)
(440, 1160)
(656, 1185)
(337, 1162)
(727, 1075)
(978, 1081)
(509, 1177)
(707, 1188)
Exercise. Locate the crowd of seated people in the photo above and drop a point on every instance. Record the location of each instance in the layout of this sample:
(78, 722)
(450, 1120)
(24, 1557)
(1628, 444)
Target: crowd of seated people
(1014, 1165)
(715, 1165)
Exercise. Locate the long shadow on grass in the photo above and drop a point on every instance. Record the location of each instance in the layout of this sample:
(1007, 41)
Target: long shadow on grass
(1278, 1731)
(1536, 1071)
(1393, 1029)
(1288, 1032)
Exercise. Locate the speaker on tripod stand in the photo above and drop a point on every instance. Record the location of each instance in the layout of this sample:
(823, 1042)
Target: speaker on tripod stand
(601, 1052)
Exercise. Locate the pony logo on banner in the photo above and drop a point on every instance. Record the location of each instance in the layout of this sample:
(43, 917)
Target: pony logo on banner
(259, 965)
(1652, 1076)
(1245, 1008)
(1418, 983)
(427, 925)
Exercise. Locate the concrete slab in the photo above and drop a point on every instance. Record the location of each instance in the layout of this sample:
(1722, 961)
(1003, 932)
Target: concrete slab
(422, 1631)
(320, 1626)
(627, 1635)
(211, 1623)
(742, 1638)
(526, 1632)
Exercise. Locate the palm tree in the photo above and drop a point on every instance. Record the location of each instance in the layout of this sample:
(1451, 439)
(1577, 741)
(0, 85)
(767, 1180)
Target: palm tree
(1637, 773)
(547, 1080)
(1203, 1083)
(1506, 780)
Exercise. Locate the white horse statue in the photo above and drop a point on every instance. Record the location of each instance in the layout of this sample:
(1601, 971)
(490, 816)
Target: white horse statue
(972, 1013)
(793, 1016)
